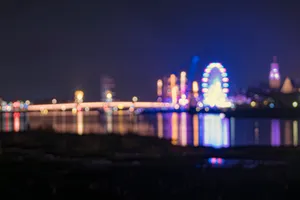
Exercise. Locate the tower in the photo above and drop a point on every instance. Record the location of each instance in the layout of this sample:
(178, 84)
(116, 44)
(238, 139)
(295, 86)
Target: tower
(274, 76)
(107, 87)
(287, 86)
(159, 90)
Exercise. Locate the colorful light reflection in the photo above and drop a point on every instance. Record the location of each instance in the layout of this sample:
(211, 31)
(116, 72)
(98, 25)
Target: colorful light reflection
(216, 131)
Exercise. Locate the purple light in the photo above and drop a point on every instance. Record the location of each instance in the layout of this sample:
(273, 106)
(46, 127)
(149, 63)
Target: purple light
(275, 132)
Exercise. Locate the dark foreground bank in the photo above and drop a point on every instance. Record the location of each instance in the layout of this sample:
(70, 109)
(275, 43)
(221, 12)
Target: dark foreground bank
(48, 165)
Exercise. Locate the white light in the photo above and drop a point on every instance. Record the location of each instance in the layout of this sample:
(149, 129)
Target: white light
(295, 104)
(54, 101)
(134, 99)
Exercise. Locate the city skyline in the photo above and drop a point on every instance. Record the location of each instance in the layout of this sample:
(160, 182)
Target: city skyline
(50, 50)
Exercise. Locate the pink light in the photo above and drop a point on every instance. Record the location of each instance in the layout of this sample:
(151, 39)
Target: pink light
(219, 160)
(204, 90)
(225, 90)
(207, 70)
(225, 79)
(213, 160)
(16, 104)
(204, 80)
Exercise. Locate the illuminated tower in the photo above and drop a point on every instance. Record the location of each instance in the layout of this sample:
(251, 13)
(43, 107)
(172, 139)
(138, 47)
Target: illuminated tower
(274, 77)
(183, 82)
(107, 86)
(173, 88)
(159, 90)
(195, 88)
(287, 86)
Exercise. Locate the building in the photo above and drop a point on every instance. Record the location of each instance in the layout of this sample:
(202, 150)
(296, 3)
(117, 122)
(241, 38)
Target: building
(274, 76)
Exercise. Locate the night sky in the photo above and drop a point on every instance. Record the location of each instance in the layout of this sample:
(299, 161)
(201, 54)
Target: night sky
(50, 48)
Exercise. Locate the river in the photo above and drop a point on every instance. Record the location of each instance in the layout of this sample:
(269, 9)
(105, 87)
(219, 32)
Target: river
(181, 128)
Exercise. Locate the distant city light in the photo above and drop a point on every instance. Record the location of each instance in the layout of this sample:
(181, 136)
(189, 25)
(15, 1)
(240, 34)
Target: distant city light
(253, 104)
(44, 112)
(159, 87)
(134, 99)
(295, 104)
(79, 96)
(74, 111)
(120, 106)
(54, 101)
(108, 95)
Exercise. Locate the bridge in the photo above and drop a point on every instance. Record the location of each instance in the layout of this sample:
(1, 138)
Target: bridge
(98, 105)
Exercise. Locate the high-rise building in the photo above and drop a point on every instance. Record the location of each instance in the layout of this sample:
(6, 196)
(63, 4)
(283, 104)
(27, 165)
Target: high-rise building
(274, 76)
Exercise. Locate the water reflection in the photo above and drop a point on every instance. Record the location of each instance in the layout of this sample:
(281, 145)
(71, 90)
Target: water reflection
(256, 133)
(109, 125)
(16, 122)
(287, 133)
(232, 131)
(160, 125)
(174, 128)
(195, 130)
(181, 128)
(216, 131)
(80, 123)
(295, 133)
(275, 132)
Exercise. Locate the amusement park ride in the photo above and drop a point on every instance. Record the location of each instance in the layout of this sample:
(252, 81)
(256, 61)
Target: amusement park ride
(173, 94)
(214, 88)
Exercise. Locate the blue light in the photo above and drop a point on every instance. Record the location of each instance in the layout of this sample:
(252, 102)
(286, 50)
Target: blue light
(204, 85)
(195, 59)
(271, 105)
(205, 75)
(225, 85)
(224, 75)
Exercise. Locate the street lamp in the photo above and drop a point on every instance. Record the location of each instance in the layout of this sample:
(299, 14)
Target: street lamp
(135, 99)
(79, 96)
(54, 101)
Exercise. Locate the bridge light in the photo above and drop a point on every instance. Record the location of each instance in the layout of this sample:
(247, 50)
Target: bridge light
(253, 103)
(134, 99)
(79, 96)
(54, 101)
(295, 104)
(74, 111)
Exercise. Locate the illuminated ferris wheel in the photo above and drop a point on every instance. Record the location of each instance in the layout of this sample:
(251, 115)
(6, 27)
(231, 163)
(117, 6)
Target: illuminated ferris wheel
(215, 84)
